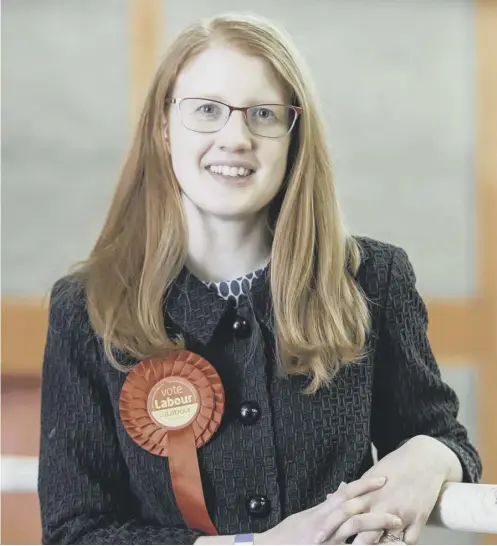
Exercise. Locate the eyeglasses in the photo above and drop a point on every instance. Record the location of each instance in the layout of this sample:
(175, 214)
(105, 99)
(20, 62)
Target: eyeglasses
(209, 116)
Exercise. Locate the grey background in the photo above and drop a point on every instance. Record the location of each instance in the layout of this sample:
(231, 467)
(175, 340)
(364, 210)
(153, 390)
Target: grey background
(65, 128)
(396, 79)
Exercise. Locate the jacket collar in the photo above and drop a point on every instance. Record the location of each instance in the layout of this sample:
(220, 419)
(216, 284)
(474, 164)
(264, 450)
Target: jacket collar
(197, 310)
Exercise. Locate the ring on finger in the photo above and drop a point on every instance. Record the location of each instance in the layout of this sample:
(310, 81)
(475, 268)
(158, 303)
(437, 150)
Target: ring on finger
(391, 538)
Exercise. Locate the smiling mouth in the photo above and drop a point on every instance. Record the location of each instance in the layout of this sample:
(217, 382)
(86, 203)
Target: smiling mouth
(230, 172)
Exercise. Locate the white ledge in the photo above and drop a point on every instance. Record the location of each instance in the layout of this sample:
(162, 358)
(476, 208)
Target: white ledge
(466, 507)
(19, 473)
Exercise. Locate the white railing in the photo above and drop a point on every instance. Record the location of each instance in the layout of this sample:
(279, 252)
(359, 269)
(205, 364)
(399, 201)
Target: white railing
(460, 507)
(19, 473)
(466, 507)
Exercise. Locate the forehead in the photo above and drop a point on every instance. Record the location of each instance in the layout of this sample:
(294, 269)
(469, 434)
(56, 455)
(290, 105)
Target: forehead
(225, 73)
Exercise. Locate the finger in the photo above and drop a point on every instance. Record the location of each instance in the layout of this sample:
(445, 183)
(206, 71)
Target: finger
(357, 488)
(340, 487)
(368, 537)
(412, 533)
(338, 508)
(349, 519)
(372, 521)
(334, 517)
(392, 538)
(363, 485)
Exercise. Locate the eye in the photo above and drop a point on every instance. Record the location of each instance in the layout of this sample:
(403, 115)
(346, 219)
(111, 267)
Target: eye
(264, 113)
(208, 109)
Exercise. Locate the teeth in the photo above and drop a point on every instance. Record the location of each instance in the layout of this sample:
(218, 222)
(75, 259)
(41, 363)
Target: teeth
(229, 171)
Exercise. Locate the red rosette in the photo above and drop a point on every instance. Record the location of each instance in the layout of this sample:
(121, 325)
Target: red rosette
(172, 393)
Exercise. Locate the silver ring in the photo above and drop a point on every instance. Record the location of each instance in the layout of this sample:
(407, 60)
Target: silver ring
(393, 539)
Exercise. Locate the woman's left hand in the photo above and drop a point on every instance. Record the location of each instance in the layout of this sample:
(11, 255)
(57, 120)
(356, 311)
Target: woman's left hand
(415, 474)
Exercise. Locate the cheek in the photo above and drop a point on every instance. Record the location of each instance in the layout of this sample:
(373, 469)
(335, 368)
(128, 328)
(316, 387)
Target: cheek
(277, 160)
(187, 152)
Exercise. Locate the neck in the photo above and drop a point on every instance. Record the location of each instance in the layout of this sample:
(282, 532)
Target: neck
(225, 248)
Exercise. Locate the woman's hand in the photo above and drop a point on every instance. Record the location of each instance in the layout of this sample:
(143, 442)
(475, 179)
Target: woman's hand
(415, 474)
(343, 514)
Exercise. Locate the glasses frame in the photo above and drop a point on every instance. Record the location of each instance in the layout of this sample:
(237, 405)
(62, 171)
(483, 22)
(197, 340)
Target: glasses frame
(178, 100)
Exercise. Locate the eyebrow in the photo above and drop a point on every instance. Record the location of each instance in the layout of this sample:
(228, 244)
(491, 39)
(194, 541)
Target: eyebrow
(215, 96)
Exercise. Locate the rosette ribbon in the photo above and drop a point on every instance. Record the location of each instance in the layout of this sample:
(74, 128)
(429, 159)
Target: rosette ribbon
(171, 407)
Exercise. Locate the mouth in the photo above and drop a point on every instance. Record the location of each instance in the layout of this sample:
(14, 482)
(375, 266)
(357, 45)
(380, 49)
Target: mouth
(233, 172)
(231, 175)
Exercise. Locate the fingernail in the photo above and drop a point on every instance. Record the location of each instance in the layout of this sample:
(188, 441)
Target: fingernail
(380, 481)
(396, 521)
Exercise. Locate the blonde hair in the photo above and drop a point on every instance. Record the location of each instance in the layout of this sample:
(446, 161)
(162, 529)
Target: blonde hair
(319, 312)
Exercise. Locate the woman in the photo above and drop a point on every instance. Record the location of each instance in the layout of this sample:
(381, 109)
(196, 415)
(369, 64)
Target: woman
(225, 239)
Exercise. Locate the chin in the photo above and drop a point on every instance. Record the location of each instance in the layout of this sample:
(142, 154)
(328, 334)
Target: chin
(229, 212)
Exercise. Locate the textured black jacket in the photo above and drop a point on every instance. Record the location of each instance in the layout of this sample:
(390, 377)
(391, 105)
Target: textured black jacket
(97, 486)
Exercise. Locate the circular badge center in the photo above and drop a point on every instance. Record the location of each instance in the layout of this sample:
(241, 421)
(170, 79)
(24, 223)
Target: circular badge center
(173, 403)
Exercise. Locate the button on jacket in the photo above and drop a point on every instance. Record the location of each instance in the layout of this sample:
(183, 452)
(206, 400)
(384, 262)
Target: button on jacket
(277, 451)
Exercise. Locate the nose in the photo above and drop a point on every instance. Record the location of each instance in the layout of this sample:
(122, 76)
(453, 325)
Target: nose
(235, 135)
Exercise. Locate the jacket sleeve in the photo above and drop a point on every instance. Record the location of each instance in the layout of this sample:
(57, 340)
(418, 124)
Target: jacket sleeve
(409, 396)
(83, 484)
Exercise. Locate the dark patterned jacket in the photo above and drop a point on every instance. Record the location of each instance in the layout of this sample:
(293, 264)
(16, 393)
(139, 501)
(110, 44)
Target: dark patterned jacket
(96, 486)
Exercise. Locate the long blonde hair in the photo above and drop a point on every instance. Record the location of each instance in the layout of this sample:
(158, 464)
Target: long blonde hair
(320, 314)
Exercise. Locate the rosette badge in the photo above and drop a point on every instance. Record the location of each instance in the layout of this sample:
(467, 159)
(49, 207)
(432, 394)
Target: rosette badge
(171, 407)
(173, 403)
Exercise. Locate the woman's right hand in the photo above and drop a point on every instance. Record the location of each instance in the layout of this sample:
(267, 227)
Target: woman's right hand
(343, 514)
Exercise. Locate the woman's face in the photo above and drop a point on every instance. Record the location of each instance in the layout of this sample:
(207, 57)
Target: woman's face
(212, 168)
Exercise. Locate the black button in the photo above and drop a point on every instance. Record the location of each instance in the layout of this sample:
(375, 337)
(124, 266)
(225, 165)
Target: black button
(241, 328)
(250, 413)
(258, 506)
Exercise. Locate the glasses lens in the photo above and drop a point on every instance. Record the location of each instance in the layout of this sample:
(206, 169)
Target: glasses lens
(202, 115)
(271, 120)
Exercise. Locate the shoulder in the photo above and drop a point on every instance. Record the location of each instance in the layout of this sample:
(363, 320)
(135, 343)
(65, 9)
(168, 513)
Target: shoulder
(381, 263)
(73, 350)
(375, 254)
(68, 308)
